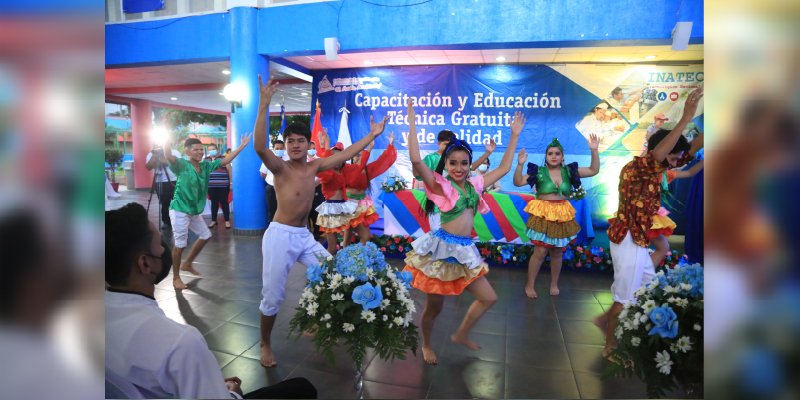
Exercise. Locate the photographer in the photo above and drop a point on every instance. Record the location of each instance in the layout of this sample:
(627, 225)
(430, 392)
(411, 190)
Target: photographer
(164, 181)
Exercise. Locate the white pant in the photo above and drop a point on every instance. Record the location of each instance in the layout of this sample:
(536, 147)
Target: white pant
(182, 223)
(281, 247)
(633, 268)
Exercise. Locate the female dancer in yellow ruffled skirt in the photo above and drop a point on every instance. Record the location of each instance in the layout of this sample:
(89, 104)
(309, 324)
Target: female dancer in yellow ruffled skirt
(551, 225)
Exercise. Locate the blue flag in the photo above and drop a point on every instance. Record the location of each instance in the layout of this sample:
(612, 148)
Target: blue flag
(283, 120)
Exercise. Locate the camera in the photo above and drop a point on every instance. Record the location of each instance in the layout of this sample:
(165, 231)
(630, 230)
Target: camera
(158, 152)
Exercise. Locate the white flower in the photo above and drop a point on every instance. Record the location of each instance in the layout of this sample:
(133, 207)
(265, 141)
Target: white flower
(618, 332)
(682, 302)
(652, 285)
(368, 315)
(697, 327)
(627, 325)
(349, 280)
(663, 363)
(388, 291)
(328, 325)
(670, 289)
(380, 282)
(660, 273)
(390, 274)
(348, 327)
(325, 317)
(635, 341)
(624, 313)
(385, 317)
(672, 299)
(330, 258)
(311, 309)
(319, 288)
(648, 306)
(385, 303)
(337, 297)
(643, 318)
(370, 273)
(686, 286)
(398, 320)
(648, 326)
(684, 344)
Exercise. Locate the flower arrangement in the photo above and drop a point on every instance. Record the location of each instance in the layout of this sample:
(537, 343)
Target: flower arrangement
(576, 257)
(660, 333)
(393, 184)
(578, 193)
(358, 299)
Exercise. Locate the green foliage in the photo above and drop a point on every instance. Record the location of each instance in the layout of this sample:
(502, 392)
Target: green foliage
(113, 158)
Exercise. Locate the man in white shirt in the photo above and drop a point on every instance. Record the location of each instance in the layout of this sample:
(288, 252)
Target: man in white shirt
(279, 148)
(165, 181)
(159, 357)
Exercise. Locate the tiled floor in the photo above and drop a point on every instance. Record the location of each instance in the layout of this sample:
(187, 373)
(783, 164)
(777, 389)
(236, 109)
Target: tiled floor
(546, 348)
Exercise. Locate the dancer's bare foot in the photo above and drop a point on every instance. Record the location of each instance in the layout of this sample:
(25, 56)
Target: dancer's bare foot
(554, 291)
(267, 358)
(429, 355)
(531, 292)
(455, 338)
(189, 268)
(178, 284)
(601, 322)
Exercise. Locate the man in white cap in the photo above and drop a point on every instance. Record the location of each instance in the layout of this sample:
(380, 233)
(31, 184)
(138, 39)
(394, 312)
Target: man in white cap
(594, 122)
(658, 122)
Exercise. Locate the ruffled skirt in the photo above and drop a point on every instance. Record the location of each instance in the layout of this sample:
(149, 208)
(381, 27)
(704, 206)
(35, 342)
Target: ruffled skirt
(442, 263)
(662, 225)
(365, 213)
(551, 223)
(335, 215)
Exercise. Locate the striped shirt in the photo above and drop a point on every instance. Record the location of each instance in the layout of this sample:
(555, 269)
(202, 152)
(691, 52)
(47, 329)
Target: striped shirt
(218, 178)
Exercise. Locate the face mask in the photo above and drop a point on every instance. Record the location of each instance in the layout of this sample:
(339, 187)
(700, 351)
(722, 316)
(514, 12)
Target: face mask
(483, 168)
(312, 152)
(279, 153)
(212, 153)
(166, 263)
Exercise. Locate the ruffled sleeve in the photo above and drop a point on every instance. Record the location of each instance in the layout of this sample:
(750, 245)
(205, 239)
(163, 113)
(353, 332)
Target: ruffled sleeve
(533, 170)
(446, 202)
(574, 177)
(477, 182)
(382, 164)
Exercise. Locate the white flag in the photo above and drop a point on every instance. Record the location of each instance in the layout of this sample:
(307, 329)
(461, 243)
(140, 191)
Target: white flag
(344, 131)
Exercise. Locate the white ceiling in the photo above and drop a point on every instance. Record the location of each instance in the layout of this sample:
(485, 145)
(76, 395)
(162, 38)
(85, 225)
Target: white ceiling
(292, 94)
(202, 73)
(628, 54)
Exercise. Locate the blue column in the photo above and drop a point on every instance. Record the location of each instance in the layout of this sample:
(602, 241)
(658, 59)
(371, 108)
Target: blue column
(250, 213)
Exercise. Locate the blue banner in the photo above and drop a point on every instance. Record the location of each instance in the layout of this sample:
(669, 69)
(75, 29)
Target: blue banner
(137, 6)
(476, 102)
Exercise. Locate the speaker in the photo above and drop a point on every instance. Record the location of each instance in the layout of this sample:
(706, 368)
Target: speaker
(680, 35)
(331, 48)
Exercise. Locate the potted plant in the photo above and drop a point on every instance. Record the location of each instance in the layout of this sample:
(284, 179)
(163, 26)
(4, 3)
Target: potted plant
(113, 159)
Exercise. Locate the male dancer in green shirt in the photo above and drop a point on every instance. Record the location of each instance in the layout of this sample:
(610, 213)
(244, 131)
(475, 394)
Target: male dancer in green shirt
(187, 204)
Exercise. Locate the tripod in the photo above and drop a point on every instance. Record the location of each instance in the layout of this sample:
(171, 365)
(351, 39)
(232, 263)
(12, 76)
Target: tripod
(158, 186)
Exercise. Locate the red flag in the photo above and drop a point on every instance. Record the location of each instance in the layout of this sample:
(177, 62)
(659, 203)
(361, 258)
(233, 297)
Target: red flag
(316, 127)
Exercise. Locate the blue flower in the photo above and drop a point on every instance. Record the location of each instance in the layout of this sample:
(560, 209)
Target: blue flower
(368, 296)
(314, 273)
(597, 251)
(406, 278)
(664, 321)
(506, 253)
(390, 181)
(569, 254)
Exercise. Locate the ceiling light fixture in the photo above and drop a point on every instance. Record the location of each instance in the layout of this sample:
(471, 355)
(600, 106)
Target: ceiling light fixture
(500, 58)
(650, 57)
(173, 98)
(367, 62)
(226, 72)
